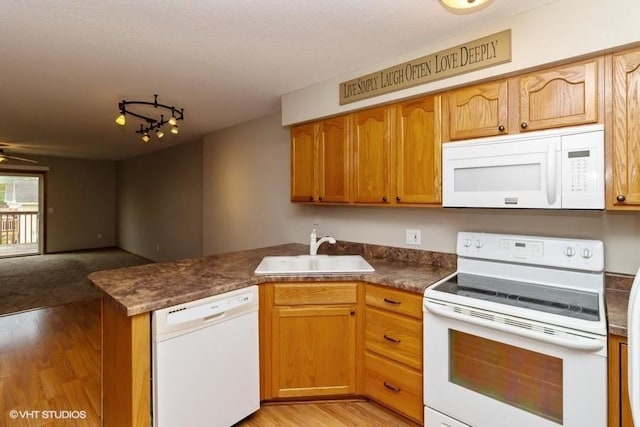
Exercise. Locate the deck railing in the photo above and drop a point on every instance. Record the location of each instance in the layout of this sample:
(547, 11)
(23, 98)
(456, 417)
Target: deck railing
(18, 228)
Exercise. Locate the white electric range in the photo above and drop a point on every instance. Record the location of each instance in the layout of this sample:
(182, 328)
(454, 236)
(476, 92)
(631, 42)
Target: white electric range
(517, 336)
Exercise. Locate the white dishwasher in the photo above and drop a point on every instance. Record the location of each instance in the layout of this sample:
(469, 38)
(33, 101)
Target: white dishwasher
(205, 361)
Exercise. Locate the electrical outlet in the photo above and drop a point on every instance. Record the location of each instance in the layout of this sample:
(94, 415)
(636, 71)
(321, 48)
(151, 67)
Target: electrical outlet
(413, 237)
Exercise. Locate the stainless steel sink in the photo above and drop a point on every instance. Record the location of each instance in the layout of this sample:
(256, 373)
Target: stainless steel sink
(313, 264)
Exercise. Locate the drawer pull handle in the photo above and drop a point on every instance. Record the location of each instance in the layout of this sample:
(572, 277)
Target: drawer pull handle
(392, 339)
(393, 388)
(392, 301)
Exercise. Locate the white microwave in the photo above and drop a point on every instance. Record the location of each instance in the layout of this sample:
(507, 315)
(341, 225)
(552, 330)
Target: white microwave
(551, 169)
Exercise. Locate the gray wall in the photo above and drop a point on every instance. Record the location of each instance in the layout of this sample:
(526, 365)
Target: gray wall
(246, 187)
(80, 204)
(159, 203)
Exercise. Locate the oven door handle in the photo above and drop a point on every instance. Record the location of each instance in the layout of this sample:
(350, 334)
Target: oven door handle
(575, 342)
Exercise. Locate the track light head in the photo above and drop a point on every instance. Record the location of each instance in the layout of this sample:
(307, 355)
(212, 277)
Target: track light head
(121, 119)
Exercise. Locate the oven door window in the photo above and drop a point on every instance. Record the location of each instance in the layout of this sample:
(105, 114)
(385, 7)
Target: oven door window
(521, 378)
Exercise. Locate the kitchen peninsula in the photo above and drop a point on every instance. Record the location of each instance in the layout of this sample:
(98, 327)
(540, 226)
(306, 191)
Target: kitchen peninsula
(131, 294)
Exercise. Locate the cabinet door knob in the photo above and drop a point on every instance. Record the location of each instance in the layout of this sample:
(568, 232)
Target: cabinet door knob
(392, 387)
(523, 125)
(501, 128)
(398, 199)
(621, 198)
(320, 198)
(385, 199)
(311, 198)
(352, 312)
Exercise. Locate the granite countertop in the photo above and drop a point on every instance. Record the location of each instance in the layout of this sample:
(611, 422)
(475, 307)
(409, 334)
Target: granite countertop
(618, 289)
(149, 287)
(144, 288)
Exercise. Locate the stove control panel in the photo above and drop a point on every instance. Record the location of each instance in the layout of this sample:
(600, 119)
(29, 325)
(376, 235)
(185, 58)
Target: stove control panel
(579, 254)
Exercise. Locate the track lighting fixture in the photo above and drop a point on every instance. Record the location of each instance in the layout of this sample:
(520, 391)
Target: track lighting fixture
(152, 123)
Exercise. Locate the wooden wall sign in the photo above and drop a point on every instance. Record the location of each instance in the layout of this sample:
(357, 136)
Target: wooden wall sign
(474, 55)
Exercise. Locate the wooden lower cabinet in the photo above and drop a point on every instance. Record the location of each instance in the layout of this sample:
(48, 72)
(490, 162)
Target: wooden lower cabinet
(310, 339)
(314, 351)
(619, 407)
(394, 385)
(342, 339)
(393, 350)
(126, 367)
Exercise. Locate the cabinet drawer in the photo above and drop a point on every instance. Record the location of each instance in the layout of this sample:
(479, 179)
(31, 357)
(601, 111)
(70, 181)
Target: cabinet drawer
(394, 300)
(396, 337)
(394, 385)
(312, 293)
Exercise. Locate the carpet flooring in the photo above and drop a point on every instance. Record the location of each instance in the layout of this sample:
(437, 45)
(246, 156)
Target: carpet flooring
(47, 280)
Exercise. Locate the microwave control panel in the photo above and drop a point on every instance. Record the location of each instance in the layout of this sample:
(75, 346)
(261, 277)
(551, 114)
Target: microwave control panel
(579, 170)
(583, 170)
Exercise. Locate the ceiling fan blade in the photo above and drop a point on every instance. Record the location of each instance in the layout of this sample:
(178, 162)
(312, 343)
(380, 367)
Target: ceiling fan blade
(20, 159)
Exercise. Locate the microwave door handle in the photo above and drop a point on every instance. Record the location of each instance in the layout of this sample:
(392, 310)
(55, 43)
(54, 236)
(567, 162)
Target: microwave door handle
(576, 342)
(552, 166)
(633, 319)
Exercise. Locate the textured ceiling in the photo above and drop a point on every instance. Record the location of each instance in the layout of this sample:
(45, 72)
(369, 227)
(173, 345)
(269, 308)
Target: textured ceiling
(67, 63)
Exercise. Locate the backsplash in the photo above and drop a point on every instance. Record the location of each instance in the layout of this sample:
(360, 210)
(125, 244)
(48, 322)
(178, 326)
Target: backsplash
(366, 250)
(618, 282)
(613, 281)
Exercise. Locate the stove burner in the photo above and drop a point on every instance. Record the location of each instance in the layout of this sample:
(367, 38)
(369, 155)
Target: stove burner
(549, 299)
(475, 291)
(551, 305)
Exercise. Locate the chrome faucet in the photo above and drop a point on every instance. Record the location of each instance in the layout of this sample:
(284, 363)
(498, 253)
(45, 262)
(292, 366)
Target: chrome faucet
(314, 242)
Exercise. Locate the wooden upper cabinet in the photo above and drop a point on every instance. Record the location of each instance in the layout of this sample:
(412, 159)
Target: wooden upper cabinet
(477, 111)
(418, 151)
(624, 160)
(562, 96)
(303, 163)
(320, 161)
(372, 155)
(333, 160)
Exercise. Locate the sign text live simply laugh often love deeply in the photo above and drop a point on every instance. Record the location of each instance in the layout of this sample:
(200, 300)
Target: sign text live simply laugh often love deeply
(485, 52)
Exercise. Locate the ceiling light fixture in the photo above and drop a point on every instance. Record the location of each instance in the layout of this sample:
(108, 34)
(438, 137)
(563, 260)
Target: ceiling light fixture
(464, 6)
(152, 122)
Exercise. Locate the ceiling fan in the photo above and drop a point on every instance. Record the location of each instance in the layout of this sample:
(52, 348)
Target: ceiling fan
(4, 156)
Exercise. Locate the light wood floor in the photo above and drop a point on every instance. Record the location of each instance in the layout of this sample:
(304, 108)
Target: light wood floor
(50, 362)
(328, 414)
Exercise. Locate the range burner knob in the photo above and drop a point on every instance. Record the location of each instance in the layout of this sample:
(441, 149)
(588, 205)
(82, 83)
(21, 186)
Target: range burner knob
(478, 244)
(586, 253)
(569, 251)
(467, 243)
